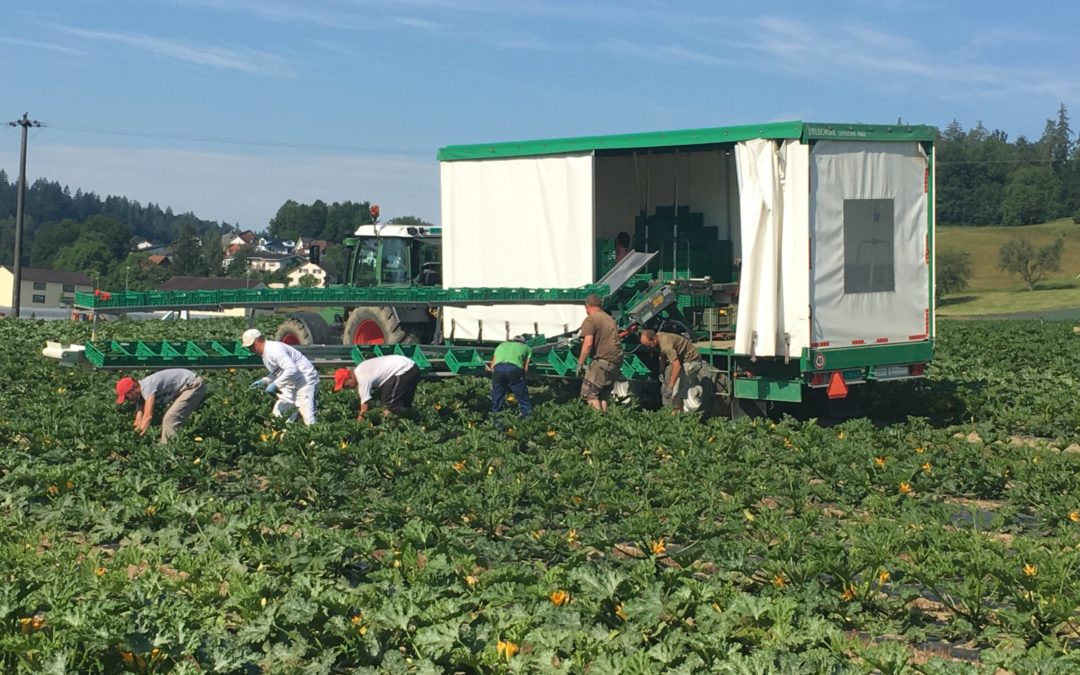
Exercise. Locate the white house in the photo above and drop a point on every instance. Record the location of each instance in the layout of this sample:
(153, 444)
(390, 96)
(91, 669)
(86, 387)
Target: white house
(271, 262)
(321, 277)
(42, 288)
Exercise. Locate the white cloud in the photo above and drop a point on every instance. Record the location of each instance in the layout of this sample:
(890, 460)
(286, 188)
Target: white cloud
(20, 42)
(238, 188)
(665, 53)
(242, 59)
(878, 58)
(420, 24)
(278, 12)
(530, 43)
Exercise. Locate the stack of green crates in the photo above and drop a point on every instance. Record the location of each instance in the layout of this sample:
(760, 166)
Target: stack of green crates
(605, 256)
(685, 246)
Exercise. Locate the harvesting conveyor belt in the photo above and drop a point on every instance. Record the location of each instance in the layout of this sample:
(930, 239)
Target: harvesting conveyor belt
(355, 296)
(331, 296)
(549, 358)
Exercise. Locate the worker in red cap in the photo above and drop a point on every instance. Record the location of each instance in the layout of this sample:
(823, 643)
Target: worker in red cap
(394, 375)
(180, 388)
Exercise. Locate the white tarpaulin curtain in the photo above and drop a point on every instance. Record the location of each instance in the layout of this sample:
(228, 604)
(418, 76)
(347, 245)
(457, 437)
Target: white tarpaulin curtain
(773, 317)
(795, 250)
(524, 222)
(869, 231)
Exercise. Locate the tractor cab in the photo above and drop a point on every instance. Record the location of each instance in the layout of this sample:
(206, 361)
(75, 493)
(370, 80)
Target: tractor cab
(395, 256)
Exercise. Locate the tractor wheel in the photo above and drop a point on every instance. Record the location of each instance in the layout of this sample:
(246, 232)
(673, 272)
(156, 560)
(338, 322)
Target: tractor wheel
(303, 328)
(373, 326)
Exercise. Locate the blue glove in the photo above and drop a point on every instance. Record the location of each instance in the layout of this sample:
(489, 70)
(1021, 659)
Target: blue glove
(259, 384)
(271, 388)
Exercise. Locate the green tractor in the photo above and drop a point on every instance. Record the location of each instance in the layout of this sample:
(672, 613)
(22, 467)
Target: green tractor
(379, 256)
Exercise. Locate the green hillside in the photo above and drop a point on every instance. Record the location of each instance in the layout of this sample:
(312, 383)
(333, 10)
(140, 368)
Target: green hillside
(992, 291)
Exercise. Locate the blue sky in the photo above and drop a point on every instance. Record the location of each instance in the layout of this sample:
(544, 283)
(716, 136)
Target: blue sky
(350, 99)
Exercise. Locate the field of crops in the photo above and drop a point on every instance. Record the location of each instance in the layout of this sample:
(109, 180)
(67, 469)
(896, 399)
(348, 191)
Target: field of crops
(639, 542)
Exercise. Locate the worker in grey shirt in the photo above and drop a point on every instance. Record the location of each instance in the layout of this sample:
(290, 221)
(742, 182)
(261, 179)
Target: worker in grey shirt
(179, 387)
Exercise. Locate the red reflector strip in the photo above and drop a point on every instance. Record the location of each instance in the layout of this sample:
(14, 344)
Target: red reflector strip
(917, 337)
(819, 344)
(926, 180)
(926, 249)
(881, 340)
(858, 342)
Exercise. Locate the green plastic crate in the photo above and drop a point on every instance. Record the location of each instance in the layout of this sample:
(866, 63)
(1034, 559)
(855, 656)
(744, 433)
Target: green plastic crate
(633, 368)
(413, 352)
(562, 361)
(461, 360)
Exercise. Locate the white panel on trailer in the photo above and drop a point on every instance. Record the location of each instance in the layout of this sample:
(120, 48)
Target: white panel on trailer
(871, 271)
(522, 222)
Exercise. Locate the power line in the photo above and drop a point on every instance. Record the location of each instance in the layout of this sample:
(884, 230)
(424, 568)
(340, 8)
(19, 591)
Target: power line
(226, 140)
(199, 138)
(1008, 161)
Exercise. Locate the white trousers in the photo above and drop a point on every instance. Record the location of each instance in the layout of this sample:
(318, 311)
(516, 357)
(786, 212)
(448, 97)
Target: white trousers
(294, 399)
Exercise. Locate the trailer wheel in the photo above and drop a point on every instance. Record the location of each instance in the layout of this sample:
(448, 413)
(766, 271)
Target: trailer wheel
(373, 326)
(303, 328)
(727, 405)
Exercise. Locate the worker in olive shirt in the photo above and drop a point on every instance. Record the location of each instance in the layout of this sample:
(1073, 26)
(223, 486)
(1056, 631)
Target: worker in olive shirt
(394, 375)
(509, 366)
(683, 360)
(181, 388)
(600, 340)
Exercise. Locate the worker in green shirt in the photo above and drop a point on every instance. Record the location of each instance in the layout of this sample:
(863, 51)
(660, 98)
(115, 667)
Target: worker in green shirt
(509, 365)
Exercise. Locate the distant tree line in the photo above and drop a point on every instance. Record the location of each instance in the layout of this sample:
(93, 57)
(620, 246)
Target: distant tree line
(83, 232)
(49, 203)
(983, 178)
(319, 220)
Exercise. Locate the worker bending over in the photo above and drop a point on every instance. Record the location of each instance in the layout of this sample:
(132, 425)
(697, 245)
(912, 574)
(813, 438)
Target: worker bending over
(600, 340)
(684, 363)
(509, 367)
(180, 387)
(292, 377)
(394, 375)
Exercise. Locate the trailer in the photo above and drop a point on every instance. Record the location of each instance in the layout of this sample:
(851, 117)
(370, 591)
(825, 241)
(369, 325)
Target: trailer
(798, 256)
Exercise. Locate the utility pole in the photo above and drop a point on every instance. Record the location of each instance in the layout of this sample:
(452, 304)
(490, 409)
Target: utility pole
(20, 195)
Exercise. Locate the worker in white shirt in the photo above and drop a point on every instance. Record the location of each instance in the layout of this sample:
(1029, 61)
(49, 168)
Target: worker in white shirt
(292, 377)
(394, 375)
